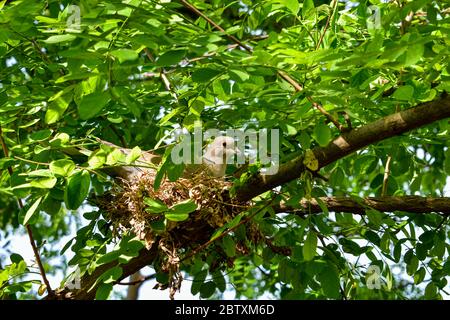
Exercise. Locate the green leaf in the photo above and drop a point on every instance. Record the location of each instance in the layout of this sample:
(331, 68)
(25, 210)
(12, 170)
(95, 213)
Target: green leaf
(162, 277)
(207, 289)
(285, 271)
(447, 162)
(204, 75)
(219, 280)
(310, 246)
(217, 233)
(165, 164)
(60, 38)
(158, 225)
(46, 183)
(103, 291)
(229, 246)
(322, 134)
(108, 257)
(114, 157)
(184, 207)
(97, 159)
(385, 242)
(375, 217)
(41, 135)
(404, 93)
(155, 206)
(170, 58)
(308, 6)
(134, 154)
(412, 265)
(176, 216)
(31, 211)
(111, 275)
(329, 281)
(430, 291)
(419, 275)
(305, 140)
(413, 54)
(125, 55)
(92, 104)
(57, 108)
(175, 171)
(239, 75)
(62, 167)
(197, 282)
(77, 189)
(292, 5)
(76, 76)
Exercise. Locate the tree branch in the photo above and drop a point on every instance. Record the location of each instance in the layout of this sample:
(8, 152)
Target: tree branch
(88, 287)
(349, 142)
(411, 204)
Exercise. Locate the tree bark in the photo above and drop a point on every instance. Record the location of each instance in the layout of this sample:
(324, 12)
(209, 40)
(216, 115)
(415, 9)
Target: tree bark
(87, 290)
(347, 143)
(412, 204)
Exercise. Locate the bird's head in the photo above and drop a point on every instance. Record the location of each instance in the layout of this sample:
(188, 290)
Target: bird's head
(221, 149)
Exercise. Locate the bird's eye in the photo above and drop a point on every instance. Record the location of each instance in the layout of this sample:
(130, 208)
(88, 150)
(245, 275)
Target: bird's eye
(224, 144)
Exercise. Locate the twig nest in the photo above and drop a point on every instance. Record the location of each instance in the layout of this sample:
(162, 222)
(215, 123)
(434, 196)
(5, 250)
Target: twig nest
(126, 209)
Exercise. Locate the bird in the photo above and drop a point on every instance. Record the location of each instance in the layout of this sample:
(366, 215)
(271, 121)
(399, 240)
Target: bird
(214, 160)
(217, 155)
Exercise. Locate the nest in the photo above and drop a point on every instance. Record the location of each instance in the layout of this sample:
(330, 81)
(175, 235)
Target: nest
(125, 207)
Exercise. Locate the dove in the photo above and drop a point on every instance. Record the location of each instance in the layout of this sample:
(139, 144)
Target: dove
(217, 155)
(214, 160)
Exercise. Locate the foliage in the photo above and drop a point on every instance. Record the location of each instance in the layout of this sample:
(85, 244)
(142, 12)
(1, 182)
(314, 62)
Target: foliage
(136, 70)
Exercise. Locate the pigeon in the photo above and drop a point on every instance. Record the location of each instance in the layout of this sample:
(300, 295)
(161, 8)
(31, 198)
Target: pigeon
(214, 160)
(218, 154)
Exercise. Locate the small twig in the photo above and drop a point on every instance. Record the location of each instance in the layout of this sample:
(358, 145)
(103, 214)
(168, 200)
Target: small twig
(439, 226)
(28, 227)
(32, 161)
(229, 204)
(132, 283)
(215, 25)
(121, 137)
(329, 117)
(223, 234)
(162, 74)
(327, 24)
(348, 121)
(387, 170)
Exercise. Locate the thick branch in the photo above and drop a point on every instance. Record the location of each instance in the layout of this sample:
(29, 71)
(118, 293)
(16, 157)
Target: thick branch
(411, 204)
(349, 142)
(87, 291)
